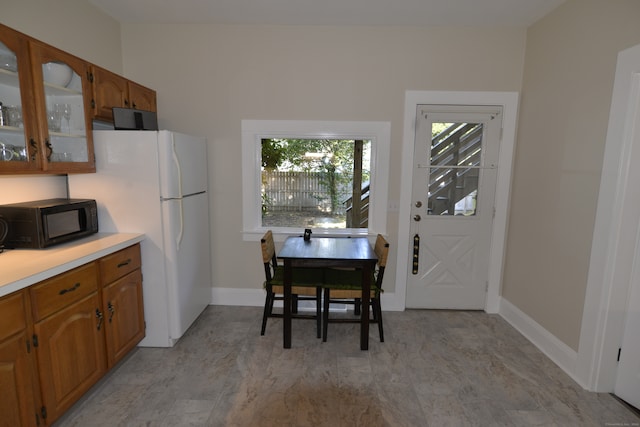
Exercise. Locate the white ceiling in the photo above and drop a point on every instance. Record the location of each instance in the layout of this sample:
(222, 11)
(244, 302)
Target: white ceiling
(510, 13)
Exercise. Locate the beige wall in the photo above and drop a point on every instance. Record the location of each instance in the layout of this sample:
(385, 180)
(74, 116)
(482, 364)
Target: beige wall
(75, 26)
(209, 78)
(566, 95)
(78, 28)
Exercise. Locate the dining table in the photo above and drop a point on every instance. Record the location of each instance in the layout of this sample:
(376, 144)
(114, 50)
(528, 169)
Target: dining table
(327, 252)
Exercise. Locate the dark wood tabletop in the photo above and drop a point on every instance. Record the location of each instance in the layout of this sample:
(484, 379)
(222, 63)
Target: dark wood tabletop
(328, 249)
(353, 252)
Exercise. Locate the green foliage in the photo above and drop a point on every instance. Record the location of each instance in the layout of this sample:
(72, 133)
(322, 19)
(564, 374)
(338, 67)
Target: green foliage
(437, 128)
(272, 153)
(333, 158)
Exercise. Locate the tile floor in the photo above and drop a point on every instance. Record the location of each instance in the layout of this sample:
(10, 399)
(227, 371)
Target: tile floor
(436, 368)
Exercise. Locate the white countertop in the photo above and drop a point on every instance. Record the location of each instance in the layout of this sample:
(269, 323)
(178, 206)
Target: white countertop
(20, 268)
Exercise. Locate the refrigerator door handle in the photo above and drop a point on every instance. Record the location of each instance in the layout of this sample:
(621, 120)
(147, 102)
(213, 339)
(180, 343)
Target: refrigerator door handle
(176, 161)
(181, 231)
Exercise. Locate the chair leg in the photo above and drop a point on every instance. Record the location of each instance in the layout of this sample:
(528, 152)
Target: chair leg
(268, 306)
(377, 309)
(325, 314)
(318, 311)
(294, 304)
(356, 306)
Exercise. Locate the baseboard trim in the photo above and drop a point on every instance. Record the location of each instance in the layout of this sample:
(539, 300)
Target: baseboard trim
(561, 354)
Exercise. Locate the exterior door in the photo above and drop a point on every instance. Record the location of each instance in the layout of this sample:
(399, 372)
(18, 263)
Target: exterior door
(454, 178)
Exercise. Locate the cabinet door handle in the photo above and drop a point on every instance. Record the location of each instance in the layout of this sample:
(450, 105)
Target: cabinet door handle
(124, 263)
(111, 311)
(34, 149)
(73, 288)
(100, 317)
(49, 149)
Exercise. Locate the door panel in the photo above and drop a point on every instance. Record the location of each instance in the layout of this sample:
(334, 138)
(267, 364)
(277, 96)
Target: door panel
(454, 176)
(627, 384)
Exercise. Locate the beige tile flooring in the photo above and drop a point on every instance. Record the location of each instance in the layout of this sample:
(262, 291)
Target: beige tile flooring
(436, 368)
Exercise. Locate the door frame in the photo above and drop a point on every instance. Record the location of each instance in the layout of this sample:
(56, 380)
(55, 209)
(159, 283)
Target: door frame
(509, 103)
(612, 252)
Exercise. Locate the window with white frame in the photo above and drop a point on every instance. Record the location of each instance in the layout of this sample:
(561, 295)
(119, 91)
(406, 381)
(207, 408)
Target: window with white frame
(331, 177)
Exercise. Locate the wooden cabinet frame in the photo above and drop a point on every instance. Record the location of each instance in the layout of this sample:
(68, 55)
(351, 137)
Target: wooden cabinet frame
(101, 91)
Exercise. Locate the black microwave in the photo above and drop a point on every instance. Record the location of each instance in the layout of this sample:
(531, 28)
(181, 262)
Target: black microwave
(42, 223)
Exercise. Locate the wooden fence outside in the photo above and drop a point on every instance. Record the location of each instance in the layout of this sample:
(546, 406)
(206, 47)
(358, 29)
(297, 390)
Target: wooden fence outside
(300, 191)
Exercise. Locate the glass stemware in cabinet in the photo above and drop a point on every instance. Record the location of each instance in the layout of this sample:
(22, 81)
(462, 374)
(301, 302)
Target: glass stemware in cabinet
(65, 113)
(12, 135)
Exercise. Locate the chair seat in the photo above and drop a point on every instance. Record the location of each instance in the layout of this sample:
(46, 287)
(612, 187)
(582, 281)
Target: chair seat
(306, 285)
(344, 285)
(302, 277)
(306, 280)
(347, 283)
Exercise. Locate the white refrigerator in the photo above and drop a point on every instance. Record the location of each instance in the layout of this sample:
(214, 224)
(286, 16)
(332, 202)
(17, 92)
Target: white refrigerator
(156, 183)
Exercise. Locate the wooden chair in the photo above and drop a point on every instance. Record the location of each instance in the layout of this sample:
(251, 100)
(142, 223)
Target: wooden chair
(344, 286)
(307, 285)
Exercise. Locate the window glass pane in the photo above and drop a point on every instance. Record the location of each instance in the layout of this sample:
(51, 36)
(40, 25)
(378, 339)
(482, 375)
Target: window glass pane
(314, 182)
(455, 159)
(456, 144)
(453, 191)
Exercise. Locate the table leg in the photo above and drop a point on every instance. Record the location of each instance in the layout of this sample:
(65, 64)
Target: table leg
(364, 319)
(286, 319)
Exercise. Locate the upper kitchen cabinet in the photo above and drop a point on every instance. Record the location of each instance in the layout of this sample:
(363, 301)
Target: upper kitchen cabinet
(63, 102)
(142, 97)
(45, 96)
(112, 90)
(19, 147)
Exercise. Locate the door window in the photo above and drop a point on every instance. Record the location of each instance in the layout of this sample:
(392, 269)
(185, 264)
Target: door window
(455, 161)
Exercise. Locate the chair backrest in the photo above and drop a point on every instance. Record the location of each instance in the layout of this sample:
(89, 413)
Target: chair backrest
(268, 255)
(381, 249)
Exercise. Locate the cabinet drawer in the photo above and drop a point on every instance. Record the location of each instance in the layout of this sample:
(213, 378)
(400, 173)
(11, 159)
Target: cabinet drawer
(53, 294)
(118, 264)
(13, 315)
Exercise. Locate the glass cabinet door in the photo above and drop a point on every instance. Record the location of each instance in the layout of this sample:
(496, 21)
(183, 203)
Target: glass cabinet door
(63, 106)
(18, 146)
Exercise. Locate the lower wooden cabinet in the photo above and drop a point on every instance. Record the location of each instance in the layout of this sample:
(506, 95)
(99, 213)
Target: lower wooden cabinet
(71, 355)
(81, 323)
(20, 403)
(124, 314)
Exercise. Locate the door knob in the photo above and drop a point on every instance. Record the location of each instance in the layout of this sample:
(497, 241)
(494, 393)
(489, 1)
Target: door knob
(417, 218)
